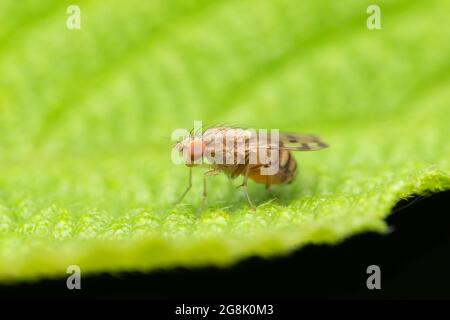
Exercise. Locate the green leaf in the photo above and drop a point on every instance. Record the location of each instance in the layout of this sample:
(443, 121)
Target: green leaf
(86, 117)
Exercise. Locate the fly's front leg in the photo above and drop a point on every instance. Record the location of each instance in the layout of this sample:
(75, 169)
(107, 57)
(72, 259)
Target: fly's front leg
(244, 187)
(209, 173)
(187, 189)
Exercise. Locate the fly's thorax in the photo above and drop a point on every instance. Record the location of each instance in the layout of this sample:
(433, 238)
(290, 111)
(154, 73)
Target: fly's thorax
(233, 146)
(226, 146)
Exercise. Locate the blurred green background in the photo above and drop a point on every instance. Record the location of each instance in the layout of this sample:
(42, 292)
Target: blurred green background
(86, 117)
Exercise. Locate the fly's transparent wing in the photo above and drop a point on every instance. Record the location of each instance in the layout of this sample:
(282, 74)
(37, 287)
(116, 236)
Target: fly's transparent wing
(252, 140)
(289, 141)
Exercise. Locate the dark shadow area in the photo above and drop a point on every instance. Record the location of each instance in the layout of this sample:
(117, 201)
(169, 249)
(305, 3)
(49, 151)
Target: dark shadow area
(414, 261)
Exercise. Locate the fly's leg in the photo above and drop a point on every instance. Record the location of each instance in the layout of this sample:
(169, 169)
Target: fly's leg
(244, 187)
(187, 189)
(204, 194)
(269, 189)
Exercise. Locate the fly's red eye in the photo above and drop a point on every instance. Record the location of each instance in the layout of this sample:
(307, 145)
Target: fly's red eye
(196, 149)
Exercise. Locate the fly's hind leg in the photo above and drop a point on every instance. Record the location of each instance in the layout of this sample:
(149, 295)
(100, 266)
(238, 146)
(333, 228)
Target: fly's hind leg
(244, 187)
(209, 173)
(269, 189)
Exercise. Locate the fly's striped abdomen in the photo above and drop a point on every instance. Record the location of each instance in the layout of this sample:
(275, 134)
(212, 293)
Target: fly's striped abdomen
(286, 172)
(288, 167)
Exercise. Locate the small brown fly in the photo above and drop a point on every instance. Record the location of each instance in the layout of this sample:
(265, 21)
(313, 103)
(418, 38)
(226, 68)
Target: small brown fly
(255, 155)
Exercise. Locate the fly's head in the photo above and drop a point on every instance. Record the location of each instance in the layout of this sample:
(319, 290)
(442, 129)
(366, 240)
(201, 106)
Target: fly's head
(192, 150)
